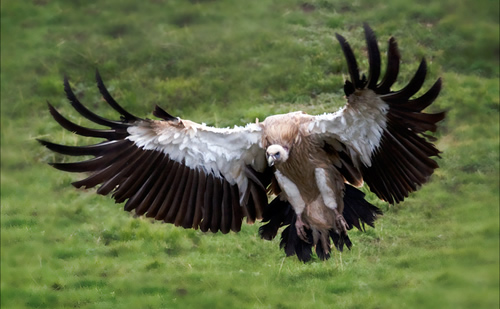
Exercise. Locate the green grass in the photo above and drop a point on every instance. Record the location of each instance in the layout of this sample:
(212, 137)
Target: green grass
(226, 63)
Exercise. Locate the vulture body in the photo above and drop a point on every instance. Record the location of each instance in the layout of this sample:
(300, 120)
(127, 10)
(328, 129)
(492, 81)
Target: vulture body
(197, 176)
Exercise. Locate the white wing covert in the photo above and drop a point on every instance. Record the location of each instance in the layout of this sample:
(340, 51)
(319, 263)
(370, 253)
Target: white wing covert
(223, 152)
(359, 125)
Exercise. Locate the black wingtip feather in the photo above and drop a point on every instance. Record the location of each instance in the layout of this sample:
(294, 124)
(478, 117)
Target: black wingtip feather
(373, 56)
(72, 127)
(111, 101)
(413, 86)
(45, 143)
(161, 113)
(62, 149)
(108, 147)
(392, 71)
(426, 99)
(79, 107)
(351, 61)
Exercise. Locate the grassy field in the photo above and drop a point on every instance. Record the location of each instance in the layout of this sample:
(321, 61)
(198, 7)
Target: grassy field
(226, 63)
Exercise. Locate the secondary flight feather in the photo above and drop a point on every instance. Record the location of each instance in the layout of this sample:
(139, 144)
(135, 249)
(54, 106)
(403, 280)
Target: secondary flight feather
(207, 178)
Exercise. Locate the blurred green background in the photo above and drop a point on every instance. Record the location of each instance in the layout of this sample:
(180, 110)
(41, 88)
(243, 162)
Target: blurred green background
(227, 63)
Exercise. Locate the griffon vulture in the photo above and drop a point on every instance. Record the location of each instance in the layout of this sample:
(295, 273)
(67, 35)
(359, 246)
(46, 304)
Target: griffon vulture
(197, 176)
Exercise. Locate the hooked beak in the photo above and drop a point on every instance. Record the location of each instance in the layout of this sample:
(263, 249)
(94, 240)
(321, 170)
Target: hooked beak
(270, 160)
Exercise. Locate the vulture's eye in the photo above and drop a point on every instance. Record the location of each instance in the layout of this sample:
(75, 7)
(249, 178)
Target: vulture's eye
(277, 155)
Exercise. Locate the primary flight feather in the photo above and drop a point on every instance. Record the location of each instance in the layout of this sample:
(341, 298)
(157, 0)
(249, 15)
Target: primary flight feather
(197, 176)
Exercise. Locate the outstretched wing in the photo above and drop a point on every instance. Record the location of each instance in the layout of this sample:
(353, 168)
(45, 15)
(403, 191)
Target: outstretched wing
(379, 136)
(174, 170)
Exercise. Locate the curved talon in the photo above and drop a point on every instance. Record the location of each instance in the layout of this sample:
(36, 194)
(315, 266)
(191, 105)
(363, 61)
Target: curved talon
(342, 224)
(301, 232)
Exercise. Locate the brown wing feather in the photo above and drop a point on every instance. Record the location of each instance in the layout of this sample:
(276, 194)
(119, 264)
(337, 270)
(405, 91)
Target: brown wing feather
(149, 181)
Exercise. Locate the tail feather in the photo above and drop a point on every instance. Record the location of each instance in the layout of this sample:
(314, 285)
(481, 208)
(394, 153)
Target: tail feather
(293, 245)
(323, 253)
(339, 240)
(279, 213)
(357, 211)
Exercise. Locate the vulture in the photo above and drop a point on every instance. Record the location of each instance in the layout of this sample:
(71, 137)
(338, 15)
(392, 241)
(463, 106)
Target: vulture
(296, 172)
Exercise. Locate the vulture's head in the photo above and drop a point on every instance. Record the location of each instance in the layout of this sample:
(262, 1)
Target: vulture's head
(276, 154)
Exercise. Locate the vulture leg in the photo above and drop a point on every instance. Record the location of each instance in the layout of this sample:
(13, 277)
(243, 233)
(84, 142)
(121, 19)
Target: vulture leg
(301, 232)
(340, 223)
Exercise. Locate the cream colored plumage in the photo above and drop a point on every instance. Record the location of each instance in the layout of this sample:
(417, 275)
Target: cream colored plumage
(197, 176)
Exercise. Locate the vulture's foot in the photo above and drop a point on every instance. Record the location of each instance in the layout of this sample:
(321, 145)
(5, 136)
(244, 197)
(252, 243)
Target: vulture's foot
(301, 232)
(340, 223)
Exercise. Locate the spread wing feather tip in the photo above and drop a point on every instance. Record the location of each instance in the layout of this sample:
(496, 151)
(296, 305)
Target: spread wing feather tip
(384, 130)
